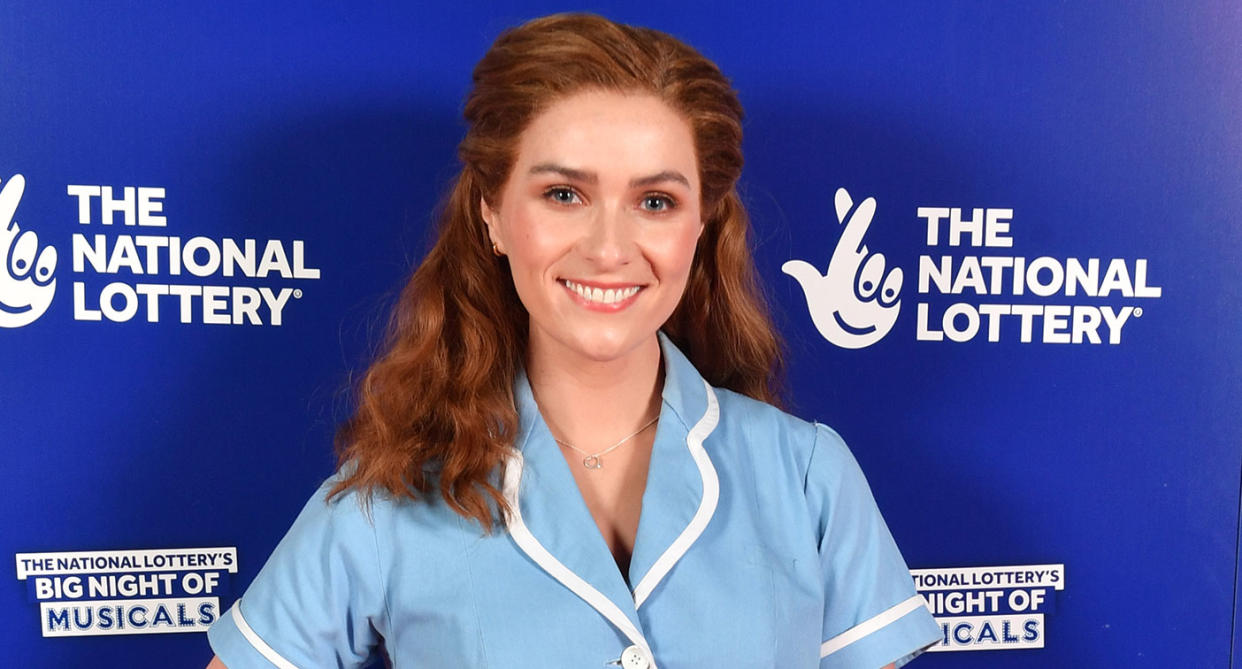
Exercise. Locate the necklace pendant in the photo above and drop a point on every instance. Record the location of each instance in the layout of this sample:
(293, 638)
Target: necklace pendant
(592, 462)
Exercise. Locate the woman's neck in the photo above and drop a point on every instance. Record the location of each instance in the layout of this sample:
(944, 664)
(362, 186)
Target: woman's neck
(593, 403)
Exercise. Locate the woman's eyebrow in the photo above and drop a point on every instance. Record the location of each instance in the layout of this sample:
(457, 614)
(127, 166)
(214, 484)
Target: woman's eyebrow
(592, 178)
(666, 175)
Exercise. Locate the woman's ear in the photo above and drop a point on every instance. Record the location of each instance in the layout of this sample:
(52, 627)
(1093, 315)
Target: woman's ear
(486, 211)
(489, 219)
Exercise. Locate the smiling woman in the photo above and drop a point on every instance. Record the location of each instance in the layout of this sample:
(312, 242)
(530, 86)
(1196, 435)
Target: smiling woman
(501, 488)
(599, 221)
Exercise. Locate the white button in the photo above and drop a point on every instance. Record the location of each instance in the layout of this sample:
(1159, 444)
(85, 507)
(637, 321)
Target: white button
(634, 658)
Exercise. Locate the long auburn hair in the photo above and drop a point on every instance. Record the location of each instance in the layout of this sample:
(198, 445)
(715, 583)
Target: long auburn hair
(435, 411)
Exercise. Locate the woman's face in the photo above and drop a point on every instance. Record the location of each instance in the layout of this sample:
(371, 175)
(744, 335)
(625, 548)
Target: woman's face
(599, 219)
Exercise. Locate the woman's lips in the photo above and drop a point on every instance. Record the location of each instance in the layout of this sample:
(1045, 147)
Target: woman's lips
(602, 297)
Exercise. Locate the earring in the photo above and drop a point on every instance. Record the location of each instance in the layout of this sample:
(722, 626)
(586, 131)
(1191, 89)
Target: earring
(496, 251)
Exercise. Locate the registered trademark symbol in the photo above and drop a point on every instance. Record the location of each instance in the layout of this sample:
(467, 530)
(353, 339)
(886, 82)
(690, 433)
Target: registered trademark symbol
(1138, 311)
(297, 292)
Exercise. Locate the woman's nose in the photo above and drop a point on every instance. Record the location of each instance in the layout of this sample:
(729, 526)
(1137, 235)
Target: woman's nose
(609, 238)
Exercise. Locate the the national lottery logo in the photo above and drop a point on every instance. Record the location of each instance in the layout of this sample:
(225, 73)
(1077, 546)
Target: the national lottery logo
(971, 285)
(855, 302)
(27, 281)
(130, 268)
(991, 608)
(157, 591)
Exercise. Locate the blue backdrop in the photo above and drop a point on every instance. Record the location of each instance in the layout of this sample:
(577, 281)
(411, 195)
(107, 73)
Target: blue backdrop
(326, 134)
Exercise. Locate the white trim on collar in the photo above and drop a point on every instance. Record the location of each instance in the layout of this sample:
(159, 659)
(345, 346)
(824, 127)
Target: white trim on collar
(707, 505)
(529, 544)
(555, 568)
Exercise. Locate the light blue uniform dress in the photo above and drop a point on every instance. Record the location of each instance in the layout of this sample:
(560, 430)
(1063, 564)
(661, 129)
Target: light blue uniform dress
(759, 545)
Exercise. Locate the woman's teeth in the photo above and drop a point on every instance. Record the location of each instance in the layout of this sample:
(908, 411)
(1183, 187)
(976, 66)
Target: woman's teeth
(608, 296)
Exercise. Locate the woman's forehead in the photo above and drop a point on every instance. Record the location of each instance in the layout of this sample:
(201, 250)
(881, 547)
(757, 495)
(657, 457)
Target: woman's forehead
(596, 135)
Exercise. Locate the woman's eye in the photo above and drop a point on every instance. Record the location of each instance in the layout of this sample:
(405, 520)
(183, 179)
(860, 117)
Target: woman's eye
(561, 195)
(658, 203)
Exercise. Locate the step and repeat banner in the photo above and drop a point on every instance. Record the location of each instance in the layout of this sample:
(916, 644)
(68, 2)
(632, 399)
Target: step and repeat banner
(1001, 243)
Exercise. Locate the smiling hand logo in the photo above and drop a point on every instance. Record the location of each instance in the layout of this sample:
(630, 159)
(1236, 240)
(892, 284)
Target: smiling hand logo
(855, 303)
(26, 281)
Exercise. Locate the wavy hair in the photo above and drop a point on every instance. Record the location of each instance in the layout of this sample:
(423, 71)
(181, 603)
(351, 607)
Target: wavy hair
(435, 410)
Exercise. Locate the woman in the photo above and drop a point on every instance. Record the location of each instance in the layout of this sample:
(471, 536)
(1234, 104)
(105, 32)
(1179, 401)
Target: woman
(584, 357)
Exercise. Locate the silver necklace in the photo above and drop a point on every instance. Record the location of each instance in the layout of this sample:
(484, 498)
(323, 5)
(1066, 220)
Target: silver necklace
(595, 460)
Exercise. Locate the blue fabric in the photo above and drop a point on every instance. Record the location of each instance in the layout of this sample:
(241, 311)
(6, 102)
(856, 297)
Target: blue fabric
(794, 554)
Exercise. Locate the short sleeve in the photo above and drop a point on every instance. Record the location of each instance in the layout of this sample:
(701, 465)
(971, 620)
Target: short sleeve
(316, 602)
(872, 614)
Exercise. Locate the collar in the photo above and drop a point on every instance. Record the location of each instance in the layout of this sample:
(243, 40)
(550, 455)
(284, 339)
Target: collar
(550, 522)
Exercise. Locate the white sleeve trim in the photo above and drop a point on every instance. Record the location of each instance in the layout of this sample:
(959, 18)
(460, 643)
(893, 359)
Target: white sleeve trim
(259, 645)
(873, 624)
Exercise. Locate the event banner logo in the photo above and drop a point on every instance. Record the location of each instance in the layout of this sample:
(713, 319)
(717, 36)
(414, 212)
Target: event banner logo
(128, 267)
(990, 608)
(92, 593)
(855, 303)
(992, 293)
(27, 283)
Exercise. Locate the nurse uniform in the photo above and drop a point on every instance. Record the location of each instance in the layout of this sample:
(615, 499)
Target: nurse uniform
(758, 545)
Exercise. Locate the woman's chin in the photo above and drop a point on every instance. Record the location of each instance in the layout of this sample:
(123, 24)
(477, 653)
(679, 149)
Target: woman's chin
(607, 347)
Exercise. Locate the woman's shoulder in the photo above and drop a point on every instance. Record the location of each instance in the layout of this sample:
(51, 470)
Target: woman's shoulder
(733, 403)
(349, 508)
(767, 430)
(740, 408)
(332, 510)
(385, 517)
(370, 529)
